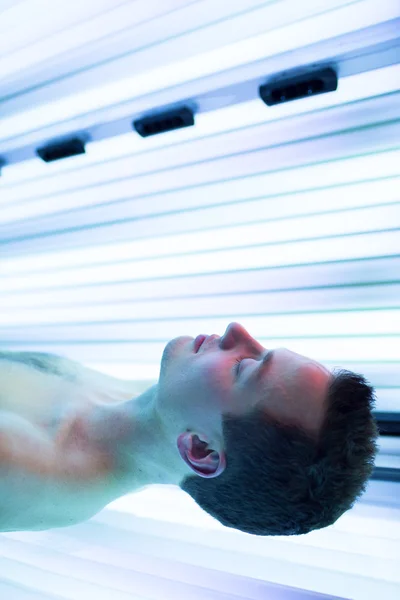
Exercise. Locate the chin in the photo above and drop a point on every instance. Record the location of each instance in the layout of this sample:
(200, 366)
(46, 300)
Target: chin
(176, 347)
(178, 343)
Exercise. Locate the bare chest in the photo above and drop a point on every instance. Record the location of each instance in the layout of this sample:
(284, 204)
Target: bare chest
(80, 481)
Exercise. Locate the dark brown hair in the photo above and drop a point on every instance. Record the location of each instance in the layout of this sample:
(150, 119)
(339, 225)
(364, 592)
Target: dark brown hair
(280, 480)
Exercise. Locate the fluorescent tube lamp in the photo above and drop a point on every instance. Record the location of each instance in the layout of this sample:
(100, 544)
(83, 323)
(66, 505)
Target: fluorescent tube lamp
(285, 39)
(368, 243)
(119, 321)
(44, 179)
(378, 202)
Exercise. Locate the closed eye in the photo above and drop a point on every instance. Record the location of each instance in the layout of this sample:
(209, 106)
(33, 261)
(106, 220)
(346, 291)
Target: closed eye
(236, 367)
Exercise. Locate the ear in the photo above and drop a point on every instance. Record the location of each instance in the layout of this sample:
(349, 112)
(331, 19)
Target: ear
(203, 461)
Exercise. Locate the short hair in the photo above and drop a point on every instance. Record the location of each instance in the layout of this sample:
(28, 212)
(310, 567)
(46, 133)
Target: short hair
(281, 479)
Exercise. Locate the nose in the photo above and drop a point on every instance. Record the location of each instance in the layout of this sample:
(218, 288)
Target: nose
(234, 333)
(237, 334)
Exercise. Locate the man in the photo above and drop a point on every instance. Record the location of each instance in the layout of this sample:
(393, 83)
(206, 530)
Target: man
(266, 441)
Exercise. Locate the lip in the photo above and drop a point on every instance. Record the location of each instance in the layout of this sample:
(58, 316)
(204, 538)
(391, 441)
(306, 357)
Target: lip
(198, 342)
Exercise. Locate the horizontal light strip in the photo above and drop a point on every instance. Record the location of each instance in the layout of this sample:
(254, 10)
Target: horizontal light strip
(16, 24)
(280, 235)
(119, 221)
(291, 302)
(235, 178)
(303, 33)
(346, 323)
(352, 88)
(89, 305)
(389, 445)
(287, 209)
(124, 324)
(388, 399)
(370, 348)
(357, 246)
(388, 462)
(74, 37)
(277, 282)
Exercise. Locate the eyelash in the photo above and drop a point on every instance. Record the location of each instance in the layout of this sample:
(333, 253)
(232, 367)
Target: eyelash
(237, 365)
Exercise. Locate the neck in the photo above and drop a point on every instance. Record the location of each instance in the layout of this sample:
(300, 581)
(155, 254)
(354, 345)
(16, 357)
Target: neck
(132, 432)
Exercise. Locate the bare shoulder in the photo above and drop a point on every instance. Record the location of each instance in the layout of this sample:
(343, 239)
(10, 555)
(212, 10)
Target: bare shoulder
(35, 384)
(42, 361)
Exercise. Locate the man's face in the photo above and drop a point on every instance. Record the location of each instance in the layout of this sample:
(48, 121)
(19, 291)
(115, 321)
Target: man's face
(197, 388)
